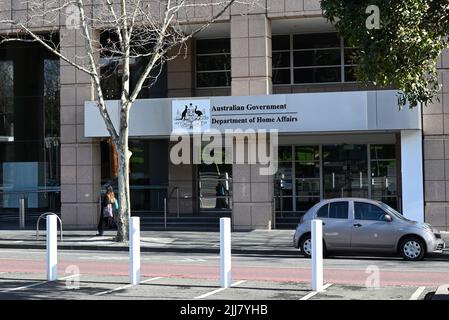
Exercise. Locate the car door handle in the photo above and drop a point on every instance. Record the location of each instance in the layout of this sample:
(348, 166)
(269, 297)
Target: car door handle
(357, 225)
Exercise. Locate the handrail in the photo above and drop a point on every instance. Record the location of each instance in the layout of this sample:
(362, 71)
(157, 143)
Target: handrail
(24, 191)
(45, 215)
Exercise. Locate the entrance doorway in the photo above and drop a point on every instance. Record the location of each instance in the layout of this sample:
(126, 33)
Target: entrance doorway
(345, 171)
(309, 174)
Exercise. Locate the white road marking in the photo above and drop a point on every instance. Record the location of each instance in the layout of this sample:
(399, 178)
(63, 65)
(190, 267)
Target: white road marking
(37, 284)
(219, 290)
(311, 294)
(417, 293)
(124, 287)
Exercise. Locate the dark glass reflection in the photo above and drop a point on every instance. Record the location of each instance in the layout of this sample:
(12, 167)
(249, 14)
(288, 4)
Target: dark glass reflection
(345, 171)
(29, 129)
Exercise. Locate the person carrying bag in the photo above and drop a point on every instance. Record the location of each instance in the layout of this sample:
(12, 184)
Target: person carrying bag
(107, 215)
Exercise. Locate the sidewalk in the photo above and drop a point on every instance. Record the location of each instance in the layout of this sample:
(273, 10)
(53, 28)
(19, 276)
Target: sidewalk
(250, 242)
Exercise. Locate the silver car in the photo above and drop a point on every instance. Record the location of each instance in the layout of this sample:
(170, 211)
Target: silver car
(363, 225)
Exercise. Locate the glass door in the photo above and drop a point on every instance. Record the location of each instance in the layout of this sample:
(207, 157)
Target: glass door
(307, 177)
(345, 171)
(383, 174)
(283, 180)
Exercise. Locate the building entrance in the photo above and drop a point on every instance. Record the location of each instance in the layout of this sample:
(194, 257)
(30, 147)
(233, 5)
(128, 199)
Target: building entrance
(345, 171)
(309, 174)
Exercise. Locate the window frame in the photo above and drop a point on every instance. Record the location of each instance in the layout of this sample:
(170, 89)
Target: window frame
(328, 205)
(347, 209)
(369, 204)
(196, 72)
(342, 65)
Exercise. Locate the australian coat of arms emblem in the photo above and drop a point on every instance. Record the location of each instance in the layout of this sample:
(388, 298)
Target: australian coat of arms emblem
(191, 114)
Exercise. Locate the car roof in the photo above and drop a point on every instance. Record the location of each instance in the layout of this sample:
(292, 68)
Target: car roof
(349, 199)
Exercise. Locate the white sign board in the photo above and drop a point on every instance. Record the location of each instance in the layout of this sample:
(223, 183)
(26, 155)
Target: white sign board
(288, 113)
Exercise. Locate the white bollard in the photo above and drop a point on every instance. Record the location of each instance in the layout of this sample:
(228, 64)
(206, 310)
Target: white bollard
(225, 252)
(317, 255)
(134, 250)
(52, 248)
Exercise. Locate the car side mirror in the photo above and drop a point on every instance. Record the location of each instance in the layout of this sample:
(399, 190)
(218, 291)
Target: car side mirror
(388, 218)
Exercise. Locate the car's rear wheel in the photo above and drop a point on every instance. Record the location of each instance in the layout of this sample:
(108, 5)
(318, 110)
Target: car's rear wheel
(306, 246)
(412, 249)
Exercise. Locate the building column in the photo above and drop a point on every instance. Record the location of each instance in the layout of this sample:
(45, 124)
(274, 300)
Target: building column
(80, 156)
(436, 152)
(251, 75)
(181, 177)
(412, 174)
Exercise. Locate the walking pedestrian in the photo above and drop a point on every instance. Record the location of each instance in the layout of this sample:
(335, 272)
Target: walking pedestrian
(106, 214)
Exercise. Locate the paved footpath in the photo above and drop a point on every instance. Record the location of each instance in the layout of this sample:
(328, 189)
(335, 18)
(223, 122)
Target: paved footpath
(184, 265)
(256, 241)
(274, 241)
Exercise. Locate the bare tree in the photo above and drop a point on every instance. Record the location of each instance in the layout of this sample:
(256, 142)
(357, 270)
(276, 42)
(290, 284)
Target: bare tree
(156, 30)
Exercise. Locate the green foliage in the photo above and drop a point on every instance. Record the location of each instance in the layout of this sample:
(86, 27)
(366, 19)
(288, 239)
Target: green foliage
(404, 51)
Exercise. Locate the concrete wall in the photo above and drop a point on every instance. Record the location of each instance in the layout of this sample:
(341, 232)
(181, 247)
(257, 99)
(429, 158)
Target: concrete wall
(80, 157)
(436, 152)
(251, 75)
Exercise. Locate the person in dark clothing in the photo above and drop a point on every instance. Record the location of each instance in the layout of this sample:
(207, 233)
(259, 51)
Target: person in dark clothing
(107, 203)
(220, 202)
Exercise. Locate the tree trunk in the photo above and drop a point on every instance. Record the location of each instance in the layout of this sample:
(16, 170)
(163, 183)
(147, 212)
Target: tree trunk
(123, 181)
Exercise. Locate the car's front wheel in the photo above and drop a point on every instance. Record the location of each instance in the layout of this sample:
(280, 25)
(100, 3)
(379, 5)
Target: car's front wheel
(306, 246)
(412, 249)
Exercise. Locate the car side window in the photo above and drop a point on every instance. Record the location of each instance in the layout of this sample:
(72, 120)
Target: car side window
(368, 211)
(323, 212)
(338, 210)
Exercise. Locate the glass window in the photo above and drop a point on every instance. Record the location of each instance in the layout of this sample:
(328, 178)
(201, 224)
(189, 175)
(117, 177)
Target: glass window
(367, 211)
(317, 75)
(323, 212)
(281, 76)
(338, 210)
(307, 174)
(208, 46)
(213, 63)
(215, 184)
(281, 59)
(384, 173)
(316, 40)
(313, 58)
(213, 79)
(317, 58)
(6, 100)
(281, 42)
(285, 153)
(111, 69)
(29, 129)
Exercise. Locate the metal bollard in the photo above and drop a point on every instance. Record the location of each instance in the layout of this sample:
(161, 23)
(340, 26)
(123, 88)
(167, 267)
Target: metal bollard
(317, 255)
(134, 250)
(22, 213)
(52, 248)
(225, 252)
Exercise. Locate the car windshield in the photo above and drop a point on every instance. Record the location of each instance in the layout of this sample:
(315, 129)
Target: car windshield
(393, 212)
